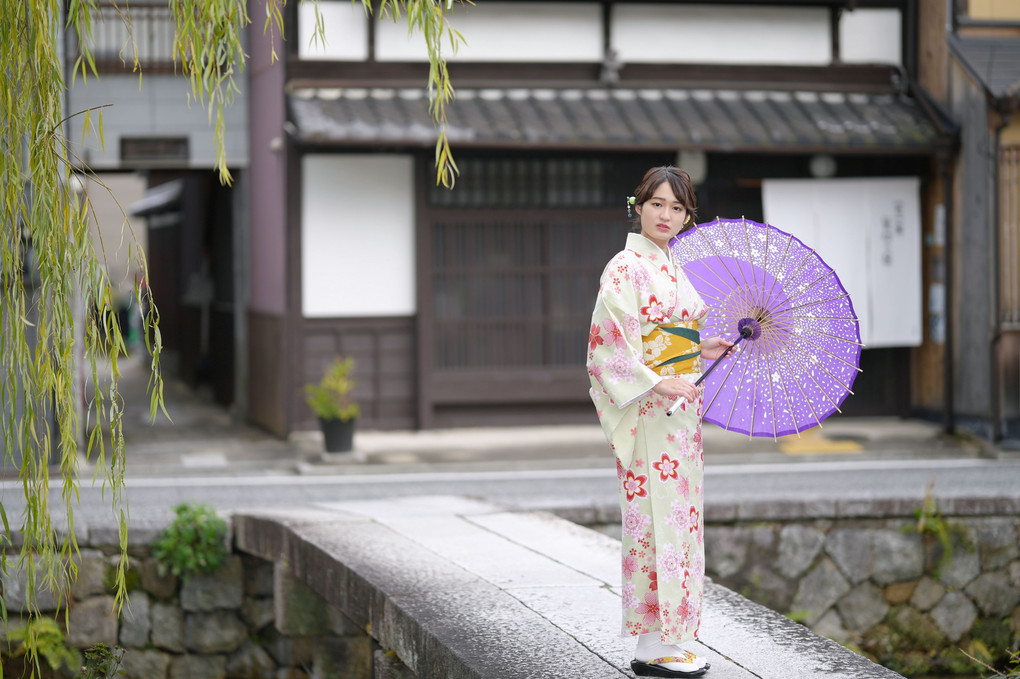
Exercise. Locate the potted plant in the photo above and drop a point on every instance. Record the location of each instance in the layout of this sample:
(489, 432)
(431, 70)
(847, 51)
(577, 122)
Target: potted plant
(331, 401)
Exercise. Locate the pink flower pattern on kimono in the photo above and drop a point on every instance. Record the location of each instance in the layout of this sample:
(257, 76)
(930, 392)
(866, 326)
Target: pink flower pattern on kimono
(654, 311)
(649, 608)
(614, 335)
(630, 566)
(640, 279)
(683, 487)
(679, 517)
(659, 463)
(620, 367)
(632, 328)
(629, 598)
(666, 467)
(635, 485)
(635, 523)
(671, 563)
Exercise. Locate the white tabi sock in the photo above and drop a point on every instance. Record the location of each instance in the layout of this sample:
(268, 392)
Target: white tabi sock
(650, 647)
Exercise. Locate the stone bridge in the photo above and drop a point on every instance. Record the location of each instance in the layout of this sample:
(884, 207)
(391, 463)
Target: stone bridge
(447, 587)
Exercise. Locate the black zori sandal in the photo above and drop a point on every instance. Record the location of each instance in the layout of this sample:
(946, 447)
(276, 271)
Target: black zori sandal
(654, 668)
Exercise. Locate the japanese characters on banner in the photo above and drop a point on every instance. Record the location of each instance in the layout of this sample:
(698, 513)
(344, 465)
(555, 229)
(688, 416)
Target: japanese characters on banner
(869, 231)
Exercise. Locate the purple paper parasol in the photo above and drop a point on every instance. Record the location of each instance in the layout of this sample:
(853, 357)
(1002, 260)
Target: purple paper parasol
(802, 344)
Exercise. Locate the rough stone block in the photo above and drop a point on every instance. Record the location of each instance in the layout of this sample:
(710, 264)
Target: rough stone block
(926, 594)
(963, 565)
(168, 627)
(769, 589)
(850, 549)
(198, 667)
(388, 666)
(1014, 575)
(139, 664)
(258, 576)
(257, 613)
(250, 662)
(216, 632)
(896, 557)
(135, 623)
(819, 590)
(92, 621)
(798, 547)
(91, 575)
(159, 586)
(900, 592)
(726, 549)
(289, 651)
(831, 626)
(919, 629)
(955, 615)
(300, 611)
(1015, 618)
(15, 595)
(863, 607)
(993, 594)
(211, 591)
(343, 658)
(997, 542)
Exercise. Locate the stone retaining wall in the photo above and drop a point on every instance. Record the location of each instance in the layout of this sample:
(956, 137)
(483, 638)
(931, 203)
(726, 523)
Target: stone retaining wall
(248, 620)
(877, 585)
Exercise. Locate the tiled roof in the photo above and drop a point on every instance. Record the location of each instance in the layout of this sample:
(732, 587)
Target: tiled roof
(619, 119)
(994, 62)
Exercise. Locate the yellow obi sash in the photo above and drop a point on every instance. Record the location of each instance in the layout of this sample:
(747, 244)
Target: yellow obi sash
(673, 348)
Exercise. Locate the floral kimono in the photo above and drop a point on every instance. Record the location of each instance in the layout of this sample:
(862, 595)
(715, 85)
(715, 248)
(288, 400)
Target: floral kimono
(644, 329)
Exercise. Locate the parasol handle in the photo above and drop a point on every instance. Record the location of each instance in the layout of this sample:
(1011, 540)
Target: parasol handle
(745, 333)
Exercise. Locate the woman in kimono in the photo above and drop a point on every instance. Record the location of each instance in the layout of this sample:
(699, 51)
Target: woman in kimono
(644, 354)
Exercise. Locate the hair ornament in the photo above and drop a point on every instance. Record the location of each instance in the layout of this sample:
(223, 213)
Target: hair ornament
(631, 201)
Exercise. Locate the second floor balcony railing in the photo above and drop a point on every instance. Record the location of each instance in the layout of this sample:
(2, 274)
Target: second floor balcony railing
(123, 32)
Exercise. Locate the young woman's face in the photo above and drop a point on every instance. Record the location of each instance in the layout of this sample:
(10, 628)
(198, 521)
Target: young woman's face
(662, 216)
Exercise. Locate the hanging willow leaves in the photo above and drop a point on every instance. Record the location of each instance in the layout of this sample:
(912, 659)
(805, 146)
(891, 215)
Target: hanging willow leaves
(56, 305)
(57, 320)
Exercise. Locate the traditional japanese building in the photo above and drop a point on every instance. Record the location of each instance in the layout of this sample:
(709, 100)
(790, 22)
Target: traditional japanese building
(472, 306)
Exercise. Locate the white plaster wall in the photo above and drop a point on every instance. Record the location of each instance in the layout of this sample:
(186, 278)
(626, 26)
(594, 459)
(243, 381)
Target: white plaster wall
(729, 34)
(506, 31)
(357, 235)
(158, 107)
(869, 231)
(345, 27)
(870, 36)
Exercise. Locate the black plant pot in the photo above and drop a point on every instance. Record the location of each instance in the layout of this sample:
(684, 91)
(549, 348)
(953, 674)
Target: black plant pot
(339, 434)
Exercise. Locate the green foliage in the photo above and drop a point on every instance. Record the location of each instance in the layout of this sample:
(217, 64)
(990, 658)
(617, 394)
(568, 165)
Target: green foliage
(331, 398)
(42, 638)
(51, 269)
(194, 543)
(102, 662)
(932, 526)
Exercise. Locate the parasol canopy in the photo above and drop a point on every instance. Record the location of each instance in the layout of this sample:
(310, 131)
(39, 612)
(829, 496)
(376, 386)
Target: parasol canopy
(800, 338)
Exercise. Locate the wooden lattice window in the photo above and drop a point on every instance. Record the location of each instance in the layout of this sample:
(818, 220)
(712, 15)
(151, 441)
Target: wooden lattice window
(516, 251)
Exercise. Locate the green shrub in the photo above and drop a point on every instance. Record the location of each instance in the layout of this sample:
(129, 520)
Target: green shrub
(102, 662)
(43, 638)
(194, 543)
(330, 399)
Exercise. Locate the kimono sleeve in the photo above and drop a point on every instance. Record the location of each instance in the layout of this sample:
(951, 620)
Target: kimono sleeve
(615, 356)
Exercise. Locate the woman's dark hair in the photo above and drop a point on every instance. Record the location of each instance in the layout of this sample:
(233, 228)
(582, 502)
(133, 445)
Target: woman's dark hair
(679, 182)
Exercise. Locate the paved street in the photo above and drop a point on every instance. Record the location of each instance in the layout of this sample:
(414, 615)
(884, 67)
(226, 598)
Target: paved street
(151, 499)
(204, 456)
